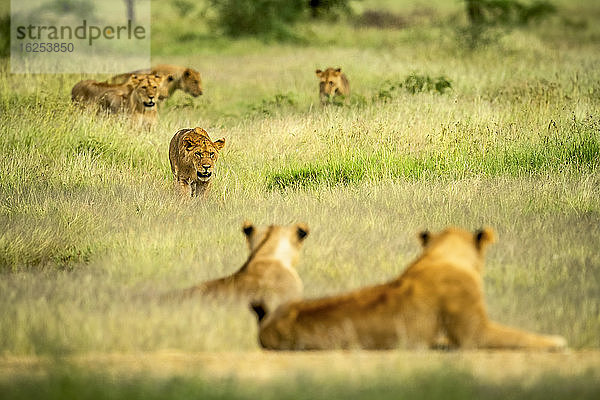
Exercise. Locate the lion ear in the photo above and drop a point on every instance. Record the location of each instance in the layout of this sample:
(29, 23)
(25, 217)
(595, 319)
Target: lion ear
(219, 144)
(187, 73)
(200, 131)
(133, 80)
(338, 70)
(318, 72)
(484, 236)
(302, 230)
(424, 237)
(247, 228)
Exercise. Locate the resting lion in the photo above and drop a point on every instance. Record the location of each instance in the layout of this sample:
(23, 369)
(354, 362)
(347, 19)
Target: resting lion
(439, 293)
(177, 78)
(332, 83)
(268, 275)
(137, 96)
(192, 156)
(109, 97)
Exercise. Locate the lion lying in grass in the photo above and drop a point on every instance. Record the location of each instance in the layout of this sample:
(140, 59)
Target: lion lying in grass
(136, 97)
(109, 97)
(268, 276)
(439, 293)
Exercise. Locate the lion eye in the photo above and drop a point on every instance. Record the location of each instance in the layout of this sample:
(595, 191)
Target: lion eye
(144, 87)
(212, 154)
(331, 83)
(199, 154)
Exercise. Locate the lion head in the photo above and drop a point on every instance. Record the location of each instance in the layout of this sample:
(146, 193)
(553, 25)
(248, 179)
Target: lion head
(282, 242)
(202, 152)
(331, 82)
(459, 243)
(191, 82)
(146, 89)
(256, 236)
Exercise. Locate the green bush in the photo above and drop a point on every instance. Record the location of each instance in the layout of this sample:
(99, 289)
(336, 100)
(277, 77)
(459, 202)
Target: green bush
(507, 12)
(331, 9)
(269, 105)
(183, 7)
(267, 18)
(486, 15)
(413, 84)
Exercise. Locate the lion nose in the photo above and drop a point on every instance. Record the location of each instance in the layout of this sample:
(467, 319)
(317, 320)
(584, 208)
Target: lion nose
(206, 166)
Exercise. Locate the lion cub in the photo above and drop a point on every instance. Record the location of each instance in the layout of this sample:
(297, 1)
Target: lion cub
(332, 83)
(193, 155)
(439, 293)
(268, 276)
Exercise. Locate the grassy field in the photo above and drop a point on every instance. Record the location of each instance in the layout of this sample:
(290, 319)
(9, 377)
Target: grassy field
(91, 228)
(311, 375)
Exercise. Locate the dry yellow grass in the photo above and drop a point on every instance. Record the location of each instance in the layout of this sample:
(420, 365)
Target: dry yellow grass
(252, 366)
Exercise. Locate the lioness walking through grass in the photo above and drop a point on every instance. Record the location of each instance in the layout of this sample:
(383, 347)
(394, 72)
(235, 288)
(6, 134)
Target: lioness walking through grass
(193, 155)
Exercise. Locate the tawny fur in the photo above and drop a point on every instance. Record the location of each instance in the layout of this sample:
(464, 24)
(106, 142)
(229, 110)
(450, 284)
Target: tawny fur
(193, 155)
(440, 293)
(332, 83)
(176, 78)
(142, 101)
(109, 97)
(136, 97)
(115, 100)
(268, 276)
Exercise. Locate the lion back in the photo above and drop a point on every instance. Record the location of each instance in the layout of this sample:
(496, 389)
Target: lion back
(84, 90)
(345, 89)
(175, 150)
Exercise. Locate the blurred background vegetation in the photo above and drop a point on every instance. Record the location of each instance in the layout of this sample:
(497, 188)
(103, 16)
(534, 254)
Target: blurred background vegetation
(181, 26)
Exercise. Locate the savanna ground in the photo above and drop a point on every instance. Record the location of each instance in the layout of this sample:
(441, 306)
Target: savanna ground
(91, 229)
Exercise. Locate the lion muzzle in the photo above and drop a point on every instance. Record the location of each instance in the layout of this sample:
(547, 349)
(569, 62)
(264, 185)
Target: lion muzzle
(150, 103)
(205, 174)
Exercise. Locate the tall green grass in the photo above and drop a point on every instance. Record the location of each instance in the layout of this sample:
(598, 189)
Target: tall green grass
(579, 149)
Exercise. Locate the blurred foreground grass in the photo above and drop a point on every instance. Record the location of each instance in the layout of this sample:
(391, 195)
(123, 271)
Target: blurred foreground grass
(365, 375)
